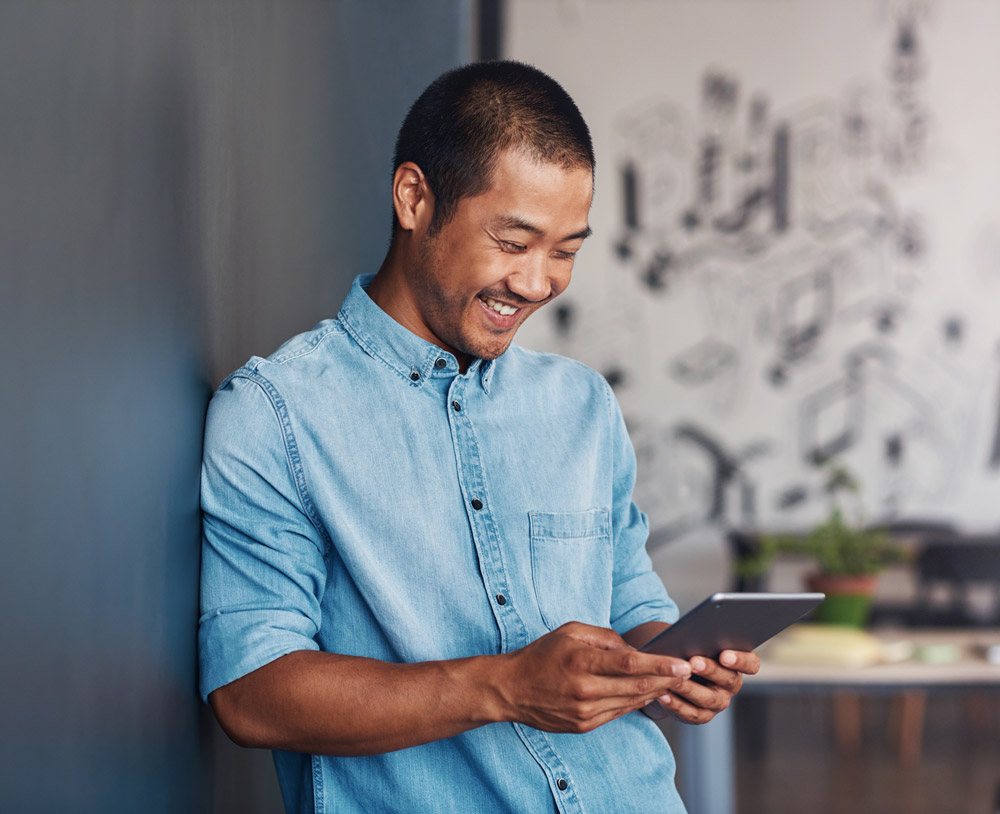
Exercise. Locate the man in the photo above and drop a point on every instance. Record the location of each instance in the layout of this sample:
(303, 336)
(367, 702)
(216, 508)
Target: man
(423, 575)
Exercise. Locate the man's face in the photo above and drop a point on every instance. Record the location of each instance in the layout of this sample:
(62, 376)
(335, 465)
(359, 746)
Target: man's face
(503, 255)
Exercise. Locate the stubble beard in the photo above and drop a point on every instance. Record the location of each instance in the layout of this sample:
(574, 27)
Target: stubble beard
(447, 313)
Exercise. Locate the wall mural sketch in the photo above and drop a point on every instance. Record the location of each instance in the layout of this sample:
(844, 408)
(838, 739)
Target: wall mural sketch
(792, 270)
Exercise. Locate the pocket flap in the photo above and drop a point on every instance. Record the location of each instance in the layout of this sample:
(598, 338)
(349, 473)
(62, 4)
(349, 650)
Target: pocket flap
(568, 525)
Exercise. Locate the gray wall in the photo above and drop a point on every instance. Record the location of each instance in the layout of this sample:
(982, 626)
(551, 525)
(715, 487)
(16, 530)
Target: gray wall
(182, 184)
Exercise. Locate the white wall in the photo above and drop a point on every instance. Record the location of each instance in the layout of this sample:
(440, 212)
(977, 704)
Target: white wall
(806, 258)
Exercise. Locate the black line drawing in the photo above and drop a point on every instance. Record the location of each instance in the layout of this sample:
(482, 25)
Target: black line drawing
(830, 421)
(805, 311)
(791, 497)
(775, 272)
(703, 362)
(699, 482)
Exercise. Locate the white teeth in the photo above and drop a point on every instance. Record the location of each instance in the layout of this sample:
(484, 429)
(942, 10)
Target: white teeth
(500, 308)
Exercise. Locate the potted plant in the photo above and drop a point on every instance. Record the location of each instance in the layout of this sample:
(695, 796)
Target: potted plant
(848, 555)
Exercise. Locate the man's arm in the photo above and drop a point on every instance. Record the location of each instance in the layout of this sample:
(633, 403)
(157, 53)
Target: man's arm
(264, 572)
(573, 679)
(699, 701)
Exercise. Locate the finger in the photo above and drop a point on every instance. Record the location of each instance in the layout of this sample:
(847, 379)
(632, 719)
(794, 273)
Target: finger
(713, 673)
(632, 663)
(701, 693)
(613, 707)
(631, 692)
(600, 637)
(740, 661)
(656, 708)
(626, 693)
(684, 710)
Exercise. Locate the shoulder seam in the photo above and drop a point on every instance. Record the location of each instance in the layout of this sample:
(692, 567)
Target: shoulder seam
(330, 330)
(608, 399)
(291, 449)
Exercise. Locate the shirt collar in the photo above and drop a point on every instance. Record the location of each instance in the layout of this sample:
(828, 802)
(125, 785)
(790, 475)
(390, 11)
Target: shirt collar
(380, 336)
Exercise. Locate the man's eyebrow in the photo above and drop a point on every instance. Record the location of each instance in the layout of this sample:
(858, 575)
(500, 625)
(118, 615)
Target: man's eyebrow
(515, 222)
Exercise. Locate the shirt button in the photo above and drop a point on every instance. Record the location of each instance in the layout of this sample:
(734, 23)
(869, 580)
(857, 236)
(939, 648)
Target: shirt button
(456, 407)
(415, 375)
(562, 784)
(440, 363)
(501, 599)
(477, 504)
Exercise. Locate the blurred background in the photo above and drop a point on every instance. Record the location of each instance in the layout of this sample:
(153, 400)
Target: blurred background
(792, 286)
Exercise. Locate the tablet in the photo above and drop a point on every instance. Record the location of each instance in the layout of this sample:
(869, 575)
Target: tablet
(737, 621)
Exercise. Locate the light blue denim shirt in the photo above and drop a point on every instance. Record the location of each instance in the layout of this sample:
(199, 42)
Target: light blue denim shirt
(361, 496)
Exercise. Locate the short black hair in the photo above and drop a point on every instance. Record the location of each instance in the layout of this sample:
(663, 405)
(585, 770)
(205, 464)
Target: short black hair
(459, 126)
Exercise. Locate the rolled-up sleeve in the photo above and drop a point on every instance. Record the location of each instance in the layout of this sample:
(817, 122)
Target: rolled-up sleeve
(638, 595)
(263, 568)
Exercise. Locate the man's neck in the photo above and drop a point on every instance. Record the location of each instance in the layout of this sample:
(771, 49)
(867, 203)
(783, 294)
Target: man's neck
(389, 292)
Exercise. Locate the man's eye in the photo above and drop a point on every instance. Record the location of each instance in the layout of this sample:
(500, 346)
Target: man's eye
(512, 247)
(566, 255)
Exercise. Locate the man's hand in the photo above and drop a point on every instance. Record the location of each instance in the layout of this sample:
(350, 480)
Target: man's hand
(699, 699)
(570, 680)
(578, 677)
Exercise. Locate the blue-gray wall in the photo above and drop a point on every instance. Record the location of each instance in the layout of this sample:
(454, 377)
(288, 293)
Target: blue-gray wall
(182, 184)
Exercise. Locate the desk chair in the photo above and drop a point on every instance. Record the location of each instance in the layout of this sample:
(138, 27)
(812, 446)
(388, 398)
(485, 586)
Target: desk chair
(953, 572)
(950, 571)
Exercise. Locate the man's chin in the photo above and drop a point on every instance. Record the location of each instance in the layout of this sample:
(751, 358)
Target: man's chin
(490, 351)
(490, 355)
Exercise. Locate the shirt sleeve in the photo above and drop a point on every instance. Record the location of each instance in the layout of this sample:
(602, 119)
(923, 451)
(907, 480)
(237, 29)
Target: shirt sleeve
(263, 568)
(638, 595)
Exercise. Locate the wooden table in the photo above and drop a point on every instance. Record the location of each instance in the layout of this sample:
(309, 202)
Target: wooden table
(970, 670)
(710, 773)
(907, 682)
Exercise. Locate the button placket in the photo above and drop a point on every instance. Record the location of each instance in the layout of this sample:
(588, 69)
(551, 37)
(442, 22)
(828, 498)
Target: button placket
(485, 535)
(556, 770)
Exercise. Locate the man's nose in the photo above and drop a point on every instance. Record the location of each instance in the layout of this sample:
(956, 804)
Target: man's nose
(531, 280)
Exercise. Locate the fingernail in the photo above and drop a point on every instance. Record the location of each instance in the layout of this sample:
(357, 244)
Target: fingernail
(682, 669)
(728, 658)
(698, 665)
(665, 699)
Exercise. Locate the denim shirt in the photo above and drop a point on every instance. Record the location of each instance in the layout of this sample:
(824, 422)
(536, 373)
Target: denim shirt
(361, 496)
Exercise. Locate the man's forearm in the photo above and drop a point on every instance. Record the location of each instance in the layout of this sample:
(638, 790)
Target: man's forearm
(573, 679)
(325, 703)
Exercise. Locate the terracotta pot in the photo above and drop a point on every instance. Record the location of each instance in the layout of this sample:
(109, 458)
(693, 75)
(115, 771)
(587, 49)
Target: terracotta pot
(848, 598)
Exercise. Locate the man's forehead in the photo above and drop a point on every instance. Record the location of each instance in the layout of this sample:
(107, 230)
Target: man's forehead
(517, 168)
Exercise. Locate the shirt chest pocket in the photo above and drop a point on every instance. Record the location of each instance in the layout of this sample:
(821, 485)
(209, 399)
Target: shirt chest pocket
(571, 566)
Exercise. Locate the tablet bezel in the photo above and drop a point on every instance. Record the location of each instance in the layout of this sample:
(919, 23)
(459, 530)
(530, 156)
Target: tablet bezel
(731, 621)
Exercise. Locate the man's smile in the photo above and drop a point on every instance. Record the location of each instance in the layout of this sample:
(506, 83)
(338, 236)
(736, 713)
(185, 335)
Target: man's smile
(499, 307)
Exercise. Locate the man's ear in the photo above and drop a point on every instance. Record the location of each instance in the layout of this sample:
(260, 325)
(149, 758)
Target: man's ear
(412, 197)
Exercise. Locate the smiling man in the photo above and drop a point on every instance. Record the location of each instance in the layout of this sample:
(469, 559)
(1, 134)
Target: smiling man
(423, 575)
(502, 255)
